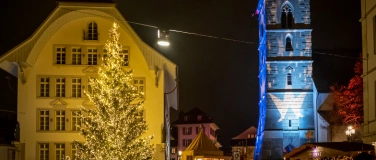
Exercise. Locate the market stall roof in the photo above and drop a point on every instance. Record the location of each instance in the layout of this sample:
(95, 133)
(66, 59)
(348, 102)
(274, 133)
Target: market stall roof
(202, 143)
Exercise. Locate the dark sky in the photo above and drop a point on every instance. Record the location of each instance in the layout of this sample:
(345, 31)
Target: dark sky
(217, 76)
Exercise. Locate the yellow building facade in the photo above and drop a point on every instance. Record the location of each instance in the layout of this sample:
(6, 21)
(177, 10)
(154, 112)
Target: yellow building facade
(53, 67)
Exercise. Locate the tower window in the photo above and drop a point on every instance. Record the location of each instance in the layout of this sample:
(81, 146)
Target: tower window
(289, 79)
(289, 123)
(286, 16)
(288, 44)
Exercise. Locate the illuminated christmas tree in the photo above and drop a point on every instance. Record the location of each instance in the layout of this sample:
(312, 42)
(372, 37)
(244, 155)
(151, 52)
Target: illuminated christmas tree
(113, 129)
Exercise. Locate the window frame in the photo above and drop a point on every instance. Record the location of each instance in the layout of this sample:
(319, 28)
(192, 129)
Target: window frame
(76, 87)
(76, 60)
(75, 120)
(60, 59)
(62, 86)
(60, 124)
(60, 150)
(140, 86)
(92, 57)
(45, 149)
(47, 123)
(47, 90)
(92, 31)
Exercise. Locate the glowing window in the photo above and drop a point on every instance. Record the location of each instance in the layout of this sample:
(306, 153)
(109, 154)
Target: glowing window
(289, 79)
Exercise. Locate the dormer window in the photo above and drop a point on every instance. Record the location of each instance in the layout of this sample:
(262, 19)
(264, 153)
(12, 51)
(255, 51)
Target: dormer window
(199, 118)
(92, 31)
(185, 118)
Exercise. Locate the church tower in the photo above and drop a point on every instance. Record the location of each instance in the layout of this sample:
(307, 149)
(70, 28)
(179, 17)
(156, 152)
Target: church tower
(286, 103)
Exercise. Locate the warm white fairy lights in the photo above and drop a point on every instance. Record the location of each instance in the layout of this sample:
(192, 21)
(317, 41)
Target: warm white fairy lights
(113, 130)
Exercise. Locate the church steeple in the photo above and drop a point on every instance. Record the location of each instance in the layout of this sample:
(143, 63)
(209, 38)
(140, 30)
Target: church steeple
(286, 85)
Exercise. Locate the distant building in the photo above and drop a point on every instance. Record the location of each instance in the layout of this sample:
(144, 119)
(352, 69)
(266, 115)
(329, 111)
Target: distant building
(244, 143)
(368, 20)
(188, 127)
(54, 65)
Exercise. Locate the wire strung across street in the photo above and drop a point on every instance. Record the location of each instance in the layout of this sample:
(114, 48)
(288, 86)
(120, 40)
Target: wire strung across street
(208, 36)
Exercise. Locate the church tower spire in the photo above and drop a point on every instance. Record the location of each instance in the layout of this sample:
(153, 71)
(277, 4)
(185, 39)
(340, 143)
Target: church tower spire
(285, 74)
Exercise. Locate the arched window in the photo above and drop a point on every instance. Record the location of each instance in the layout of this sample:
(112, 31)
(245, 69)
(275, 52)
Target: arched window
(288, 46)
(286, 16)
(289, 79)
(92, 31)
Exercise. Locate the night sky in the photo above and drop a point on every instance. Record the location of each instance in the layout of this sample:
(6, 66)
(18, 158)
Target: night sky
(217, 76)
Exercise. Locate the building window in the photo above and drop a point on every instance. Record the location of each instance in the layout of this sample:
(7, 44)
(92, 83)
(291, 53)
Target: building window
(60, 55)
(125, 57)
(186, 142)
(288, 46)
(44, 117)
(286, 16)
(173, 150)
(60, 87)
(44, 84)
(76, 121)
(60, 151)
(76, 87)
(187, 131)
(289, 123)
(92, 56)
(43, 151)
(74, 151)
(92, 31)
(140, 84)
(60, 120)
(185, 118)
(199, 118)
(76, 55)
(289, 79)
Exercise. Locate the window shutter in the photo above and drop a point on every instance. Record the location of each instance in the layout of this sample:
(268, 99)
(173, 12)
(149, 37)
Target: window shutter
(183, 130)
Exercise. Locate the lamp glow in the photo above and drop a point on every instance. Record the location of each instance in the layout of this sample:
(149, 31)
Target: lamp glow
(163, 38)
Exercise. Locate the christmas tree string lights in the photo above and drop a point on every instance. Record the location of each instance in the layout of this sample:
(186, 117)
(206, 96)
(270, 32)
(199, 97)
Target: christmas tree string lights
(114, 129)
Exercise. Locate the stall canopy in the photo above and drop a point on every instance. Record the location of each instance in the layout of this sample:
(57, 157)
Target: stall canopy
(202, 147)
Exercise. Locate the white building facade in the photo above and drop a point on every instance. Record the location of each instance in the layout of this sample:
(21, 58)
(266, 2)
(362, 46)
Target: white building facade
(54, 65)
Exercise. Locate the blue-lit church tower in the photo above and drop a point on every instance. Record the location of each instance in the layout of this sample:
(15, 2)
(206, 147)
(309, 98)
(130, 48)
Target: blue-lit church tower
(286, 106)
